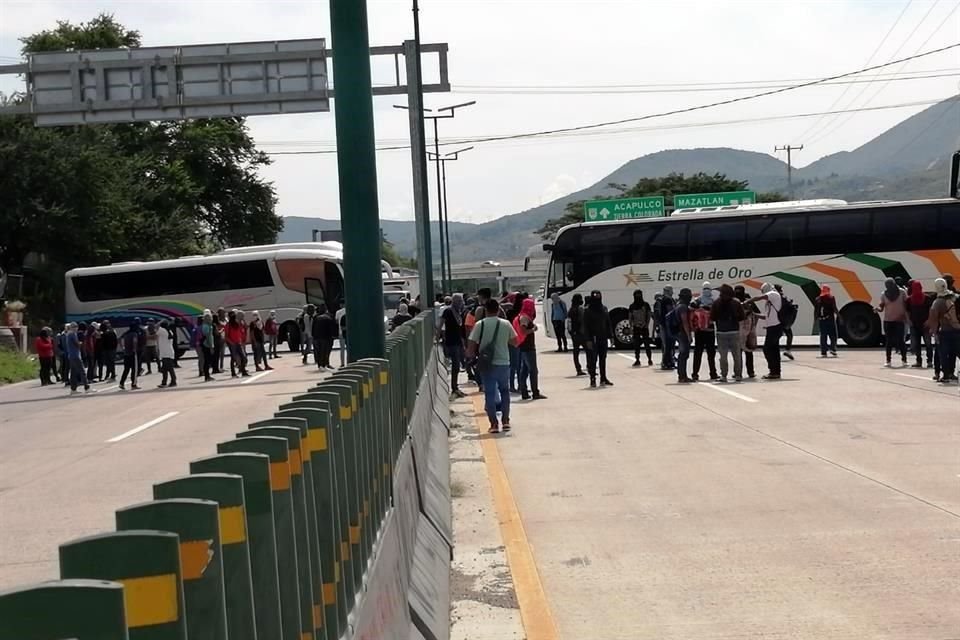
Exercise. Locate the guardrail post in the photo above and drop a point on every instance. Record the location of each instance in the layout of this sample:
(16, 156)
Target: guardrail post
(227, 491)
(80, 609)
(147, 564)
(254, 468)
(201, 565)
(295, 594)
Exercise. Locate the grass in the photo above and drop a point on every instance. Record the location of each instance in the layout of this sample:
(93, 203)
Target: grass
(15, 367)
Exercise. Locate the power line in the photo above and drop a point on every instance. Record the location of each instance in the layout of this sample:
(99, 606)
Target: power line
(838, 122)
(640, 89)
(596, 132)
(869, 60)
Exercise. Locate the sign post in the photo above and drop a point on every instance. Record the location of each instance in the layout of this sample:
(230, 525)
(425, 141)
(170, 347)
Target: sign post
(725, 199)
(623, 209)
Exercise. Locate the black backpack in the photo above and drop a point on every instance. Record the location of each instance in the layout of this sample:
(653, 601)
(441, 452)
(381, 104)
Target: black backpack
(485, 353)
(788, 312)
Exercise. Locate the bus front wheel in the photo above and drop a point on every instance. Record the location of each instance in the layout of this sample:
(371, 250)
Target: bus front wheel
(622, 329)
(860, 325)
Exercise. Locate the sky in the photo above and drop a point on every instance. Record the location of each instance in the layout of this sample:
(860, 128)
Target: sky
(534, 65)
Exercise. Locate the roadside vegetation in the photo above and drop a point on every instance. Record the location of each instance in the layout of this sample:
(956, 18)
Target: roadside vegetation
(15, 367)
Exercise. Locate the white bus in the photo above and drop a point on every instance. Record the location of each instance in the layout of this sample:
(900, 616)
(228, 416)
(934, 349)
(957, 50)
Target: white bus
(800, 245)
(271, 277)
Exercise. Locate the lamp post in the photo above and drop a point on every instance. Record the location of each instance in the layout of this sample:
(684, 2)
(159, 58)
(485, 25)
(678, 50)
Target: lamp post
(436, 115)
(445, 221)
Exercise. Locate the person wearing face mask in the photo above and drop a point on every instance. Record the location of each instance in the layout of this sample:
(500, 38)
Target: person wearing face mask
(575, 323)
(526, 329)
(825, 311)
(771, 321)
(894, 308)
(661, 309)
(640, 316)
(679, 324)
(944, 321)
(558, 317)
(597, 331)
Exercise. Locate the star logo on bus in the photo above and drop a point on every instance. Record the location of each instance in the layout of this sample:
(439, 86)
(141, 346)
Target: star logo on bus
(636, 279)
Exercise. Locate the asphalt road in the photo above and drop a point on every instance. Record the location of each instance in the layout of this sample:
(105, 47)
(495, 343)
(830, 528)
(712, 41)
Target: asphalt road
(67, 463)
(824, 506)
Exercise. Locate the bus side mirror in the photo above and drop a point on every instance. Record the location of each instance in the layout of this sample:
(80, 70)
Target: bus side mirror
(955, 176)
(548, 247)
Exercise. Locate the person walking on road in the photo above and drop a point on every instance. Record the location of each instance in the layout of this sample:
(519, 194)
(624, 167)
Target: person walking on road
(43, 345)
(305, 321)
(489, 344)
(661, 310)
(208, 342)
(235, 339)
(894, 308)
(525, 327)
(575, 327)
(341, 319)
(74, 350)
(748, 329)
(787, 329)
(220, 338)
(774, 330)
(597, 331)
(324, 333)
(151, 348)
(679, 324)
(704, 335)
(945, 321)
(108, 345)
(131, 354)
(271, 329)
(63, 364)
(90, 350)
(403, 315)
(918, 311)
(166, 351)
(640, 316)
(825, 311)
(727, 314)
(258, 343)
(558, 318)
(452, 339)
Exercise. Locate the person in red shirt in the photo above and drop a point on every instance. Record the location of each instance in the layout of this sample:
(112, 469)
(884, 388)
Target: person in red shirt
(235, 336)
(44, 347)
(271, 329)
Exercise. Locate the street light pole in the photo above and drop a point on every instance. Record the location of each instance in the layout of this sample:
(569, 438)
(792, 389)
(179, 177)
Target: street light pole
(445, 229)
(444, 257)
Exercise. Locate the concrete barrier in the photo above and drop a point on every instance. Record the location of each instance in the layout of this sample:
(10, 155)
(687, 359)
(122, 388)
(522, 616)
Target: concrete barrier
(79, 609)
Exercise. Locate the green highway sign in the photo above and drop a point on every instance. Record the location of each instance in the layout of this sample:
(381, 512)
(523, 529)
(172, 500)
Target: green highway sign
(726, 199)
(623, 209)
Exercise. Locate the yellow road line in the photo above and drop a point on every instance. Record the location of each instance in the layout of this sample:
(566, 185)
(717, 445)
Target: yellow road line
(535, 612)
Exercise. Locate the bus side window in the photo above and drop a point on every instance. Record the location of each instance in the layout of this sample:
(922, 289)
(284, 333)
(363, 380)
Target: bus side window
(669, 244)
(838, 232)
(950, 225)
(908, 229)
(777, 236)
(717, 239)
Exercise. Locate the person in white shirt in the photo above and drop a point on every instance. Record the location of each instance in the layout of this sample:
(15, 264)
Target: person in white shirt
(166, 349)
(771, 320)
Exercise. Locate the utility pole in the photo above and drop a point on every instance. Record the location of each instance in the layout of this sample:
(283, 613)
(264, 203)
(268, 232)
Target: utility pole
(447, 112)
(789, 149)
(357, 168)
(442, 161)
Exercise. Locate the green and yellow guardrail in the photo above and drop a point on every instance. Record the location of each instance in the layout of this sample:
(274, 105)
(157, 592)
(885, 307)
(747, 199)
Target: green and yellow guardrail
(303, 527)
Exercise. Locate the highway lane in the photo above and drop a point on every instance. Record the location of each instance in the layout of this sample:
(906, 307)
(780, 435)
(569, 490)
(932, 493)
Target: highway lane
(67, 463)
(826, 505)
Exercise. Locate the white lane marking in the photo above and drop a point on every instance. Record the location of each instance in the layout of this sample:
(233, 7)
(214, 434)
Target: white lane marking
(727, 391)
(105, 389)
(257, 377)
(908, 375)
(625, 357)
(143, 427)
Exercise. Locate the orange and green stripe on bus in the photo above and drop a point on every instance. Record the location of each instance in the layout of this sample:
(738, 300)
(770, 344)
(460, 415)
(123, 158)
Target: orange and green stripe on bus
(890, 268)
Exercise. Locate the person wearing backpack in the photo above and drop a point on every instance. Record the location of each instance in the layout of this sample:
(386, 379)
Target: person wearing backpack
(661, 310)
(894, 308)
(788, 315)
(774, 330)
(825, 311)
(704, 335)
(945, 321)
(679, 325)
(131, 353)
(489, 343)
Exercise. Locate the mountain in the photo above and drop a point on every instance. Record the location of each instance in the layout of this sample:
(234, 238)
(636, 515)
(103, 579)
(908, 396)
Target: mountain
(908, 161)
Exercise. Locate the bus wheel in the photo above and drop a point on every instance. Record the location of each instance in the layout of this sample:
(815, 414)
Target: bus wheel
(860, 325)
(290, 333)
(622, 329)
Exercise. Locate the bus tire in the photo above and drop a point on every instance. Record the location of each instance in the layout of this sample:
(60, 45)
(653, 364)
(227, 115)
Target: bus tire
(859, 325)
(622, 329)
(290, 333)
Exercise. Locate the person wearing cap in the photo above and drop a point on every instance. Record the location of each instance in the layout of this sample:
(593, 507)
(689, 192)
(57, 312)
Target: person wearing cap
(944, 320)
(774, 331)
(825, 311)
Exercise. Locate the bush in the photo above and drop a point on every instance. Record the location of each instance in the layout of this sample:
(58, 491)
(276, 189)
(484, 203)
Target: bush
(16, 367)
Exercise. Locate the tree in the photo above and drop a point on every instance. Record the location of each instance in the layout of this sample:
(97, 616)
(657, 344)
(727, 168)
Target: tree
(81, 196)
(389, 253)
(668, 186)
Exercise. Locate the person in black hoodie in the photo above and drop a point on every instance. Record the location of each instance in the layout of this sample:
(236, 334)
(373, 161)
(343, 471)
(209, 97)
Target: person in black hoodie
(597, 331)
(575, 320)
(108, 350)
(324, 332)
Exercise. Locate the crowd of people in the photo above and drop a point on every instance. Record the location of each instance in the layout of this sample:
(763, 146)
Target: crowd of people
(87, 352)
